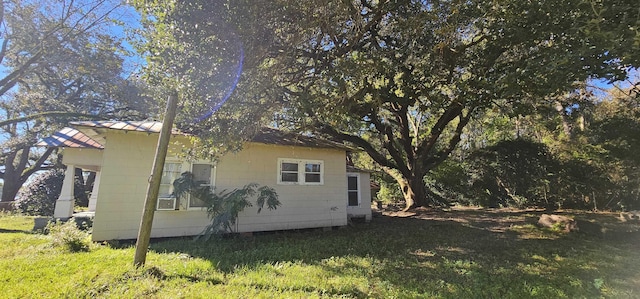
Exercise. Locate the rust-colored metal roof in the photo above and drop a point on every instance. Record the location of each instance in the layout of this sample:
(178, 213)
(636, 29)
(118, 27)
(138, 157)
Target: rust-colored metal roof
(137, 126)
(275, 136)
(89, 137)
(69, 137)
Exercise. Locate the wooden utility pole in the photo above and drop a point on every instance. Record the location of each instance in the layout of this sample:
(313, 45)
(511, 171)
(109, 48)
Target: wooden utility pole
(144, 233)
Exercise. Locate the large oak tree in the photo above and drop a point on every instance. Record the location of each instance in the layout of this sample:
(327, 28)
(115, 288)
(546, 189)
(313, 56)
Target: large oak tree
(402, 79)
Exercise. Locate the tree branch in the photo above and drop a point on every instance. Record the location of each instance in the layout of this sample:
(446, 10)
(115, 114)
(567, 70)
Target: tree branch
(37, 165)
(358, 141)
(47, 114)
(453, 111)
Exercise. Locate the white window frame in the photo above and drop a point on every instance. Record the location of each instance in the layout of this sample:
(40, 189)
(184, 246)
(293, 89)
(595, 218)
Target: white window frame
(185, 204)
(211, 183)
(301, 171)
(357, 176)
(175, 207)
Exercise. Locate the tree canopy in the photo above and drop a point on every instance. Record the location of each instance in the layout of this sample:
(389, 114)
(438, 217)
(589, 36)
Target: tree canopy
(402, 79)
(60, 63)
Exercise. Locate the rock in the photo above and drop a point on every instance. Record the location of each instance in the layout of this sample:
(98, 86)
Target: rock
(631, 215)
(565, 223)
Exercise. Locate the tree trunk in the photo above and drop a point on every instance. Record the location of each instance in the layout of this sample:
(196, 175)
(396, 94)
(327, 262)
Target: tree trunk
(414, 192)
(88, 184)
(566, 127)
(11, 178)
(16, 171)
(80, 193)
(9, 191)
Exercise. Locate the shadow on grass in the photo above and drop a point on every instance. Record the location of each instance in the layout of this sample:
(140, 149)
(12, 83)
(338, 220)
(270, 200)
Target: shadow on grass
(471, 254)
(13, 231)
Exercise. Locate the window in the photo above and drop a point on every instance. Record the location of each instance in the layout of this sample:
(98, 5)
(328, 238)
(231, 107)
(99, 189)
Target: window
(170, 172)
(352, 191)
(312, 173)
(300, 172)
(202, 177)
(289, 172)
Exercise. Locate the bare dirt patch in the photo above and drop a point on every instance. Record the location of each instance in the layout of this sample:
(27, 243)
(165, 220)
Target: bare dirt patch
(597, 224)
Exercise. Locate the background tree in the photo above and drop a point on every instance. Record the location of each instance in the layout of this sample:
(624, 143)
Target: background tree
(399, 79)
(402, 79)
(60, 64)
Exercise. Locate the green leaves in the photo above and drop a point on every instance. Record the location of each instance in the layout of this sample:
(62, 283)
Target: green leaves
(224, 206)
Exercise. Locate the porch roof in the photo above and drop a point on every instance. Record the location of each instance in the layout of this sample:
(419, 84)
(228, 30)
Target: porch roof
(70, 137)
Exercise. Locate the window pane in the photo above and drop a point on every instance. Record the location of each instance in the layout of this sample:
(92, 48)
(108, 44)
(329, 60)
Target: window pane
(312, 178)
(167, 178)
(289, 177)
(353, 198)
(289, 166)
(312, 167)
(196, 202)
(202, 173)
(165, 191)
(170, 172)
(352, 183)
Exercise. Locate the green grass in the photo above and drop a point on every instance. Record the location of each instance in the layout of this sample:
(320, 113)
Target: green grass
(457, 254)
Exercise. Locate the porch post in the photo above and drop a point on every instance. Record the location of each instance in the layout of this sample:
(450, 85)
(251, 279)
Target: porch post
(94, 192)
(64, 204)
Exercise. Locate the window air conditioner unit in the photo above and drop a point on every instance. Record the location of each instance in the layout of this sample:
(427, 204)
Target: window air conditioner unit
(166, 204)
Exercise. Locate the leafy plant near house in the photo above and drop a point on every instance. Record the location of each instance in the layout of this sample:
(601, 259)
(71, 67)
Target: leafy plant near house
(223, 207)
(69, 236)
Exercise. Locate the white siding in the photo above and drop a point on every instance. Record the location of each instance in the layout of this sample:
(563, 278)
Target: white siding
(127, 160)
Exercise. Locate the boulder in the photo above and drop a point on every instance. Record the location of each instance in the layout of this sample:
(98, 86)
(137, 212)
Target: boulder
(565, 223)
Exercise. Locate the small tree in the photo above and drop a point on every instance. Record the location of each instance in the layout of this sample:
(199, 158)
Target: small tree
(223, 207)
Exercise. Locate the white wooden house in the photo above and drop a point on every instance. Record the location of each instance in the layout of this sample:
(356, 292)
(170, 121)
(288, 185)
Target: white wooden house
(309, 174)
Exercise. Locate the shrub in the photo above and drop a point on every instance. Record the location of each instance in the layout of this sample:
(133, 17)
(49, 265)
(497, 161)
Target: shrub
(68, 236)
(513, 173)
(39, 197)
(389, 192)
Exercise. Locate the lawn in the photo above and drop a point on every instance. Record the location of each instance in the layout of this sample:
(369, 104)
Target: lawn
(463, 253)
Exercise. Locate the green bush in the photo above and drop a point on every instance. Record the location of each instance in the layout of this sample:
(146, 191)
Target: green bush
(449, 181)
(515, 173)
(68, 236)
(389, 192)
(39, 197)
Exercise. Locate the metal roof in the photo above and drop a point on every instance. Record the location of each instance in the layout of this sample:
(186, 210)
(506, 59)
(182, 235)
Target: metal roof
(87, 136)
(275, 136)
(70, 137)
(137, 126)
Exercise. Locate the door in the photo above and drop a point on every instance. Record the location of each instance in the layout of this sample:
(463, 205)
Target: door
(353, 190)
